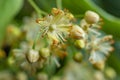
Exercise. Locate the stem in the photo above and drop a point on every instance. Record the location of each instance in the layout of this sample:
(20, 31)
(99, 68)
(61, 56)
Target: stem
(38, 10)
(37, 37)
(79, 16)
(59, 4)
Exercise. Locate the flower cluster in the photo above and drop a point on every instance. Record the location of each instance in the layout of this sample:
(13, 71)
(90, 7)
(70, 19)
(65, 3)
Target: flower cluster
(98, 45)
(56, 26)
(50, 37)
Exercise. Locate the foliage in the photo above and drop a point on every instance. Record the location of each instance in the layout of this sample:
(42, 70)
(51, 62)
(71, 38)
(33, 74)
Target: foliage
(63, 40)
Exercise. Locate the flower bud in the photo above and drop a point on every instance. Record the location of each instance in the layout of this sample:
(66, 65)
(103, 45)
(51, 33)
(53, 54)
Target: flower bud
(98, 76)
(76, 32)
(80, 43)
(11, 61)
(110, 73)
(45, 52)
(42, 76)
(91, 17)
(33, 56)
(99, 65)
(56, 11)
(15, 31)
(55, 40)
(21, 76)
(70, 16)
(2, 54)
(78, 57)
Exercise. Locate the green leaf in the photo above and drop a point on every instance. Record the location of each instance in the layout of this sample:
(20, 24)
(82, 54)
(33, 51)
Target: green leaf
(46, 5)
(8, 10)
(113, 7)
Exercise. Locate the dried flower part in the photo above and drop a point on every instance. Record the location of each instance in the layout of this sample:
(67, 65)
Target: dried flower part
(56, 11)
(61, 54)
(2, 54)
(99, 65)
(39, 20)
(33, 56)
(59, 50)
(76, 32)
(91, 17)
(45, 52)
(80, 43)
(78, 57)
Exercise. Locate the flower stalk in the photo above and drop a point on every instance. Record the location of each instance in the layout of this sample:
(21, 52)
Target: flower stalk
(37, 9)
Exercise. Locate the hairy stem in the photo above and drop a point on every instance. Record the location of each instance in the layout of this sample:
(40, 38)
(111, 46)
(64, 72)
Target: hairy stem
(59, 4)
(38, 10)
(36, 39)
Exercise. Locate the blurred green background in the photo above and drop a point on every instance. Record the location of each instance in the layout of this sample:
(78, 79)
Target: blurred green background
(13, 11)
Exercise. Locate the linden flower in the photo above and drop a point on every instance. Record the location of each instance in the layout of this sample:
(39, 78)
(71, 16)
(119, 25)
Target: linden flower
(91, 24)
(28, 58)
(99, 48)
(77, 32)
(91, 17)
(58, 52)
(56, 26)
(90, 29)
